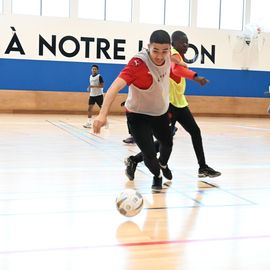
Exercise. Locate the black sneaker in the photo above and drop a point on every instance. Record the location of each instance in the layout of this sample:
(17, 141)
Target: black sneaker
(166, 172)
(131, 166)
(157, 183)
(129, 140)
(207, 171)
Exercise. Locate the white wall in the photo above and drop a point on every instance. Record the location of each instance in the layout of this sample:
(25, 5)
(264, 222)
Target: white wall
(231, 52)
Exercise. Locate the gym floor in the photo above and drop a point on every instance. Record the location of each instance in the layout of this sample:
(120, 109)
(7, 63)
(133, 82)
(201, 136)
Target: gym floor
(59, 181)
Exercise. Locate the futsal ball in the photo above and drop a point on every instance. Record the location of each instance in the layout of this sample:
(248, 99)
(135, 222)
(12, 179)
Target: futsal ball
(129, 202)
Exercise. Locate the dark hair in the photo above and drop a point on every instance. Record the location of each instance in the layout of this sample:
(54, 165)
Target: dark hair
(178, 35)
(96, 66)
(161, 37)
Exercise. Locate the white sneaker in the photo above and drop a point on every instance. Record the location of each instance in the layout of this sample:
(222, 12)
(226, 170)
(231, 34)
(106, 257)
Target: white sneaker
(167, 184)
(87, 125)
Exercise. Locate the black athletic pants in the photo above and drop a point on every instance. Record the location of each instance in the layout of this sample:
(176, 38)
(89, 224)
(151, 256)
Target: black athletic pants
(142, 128)
(185, 118)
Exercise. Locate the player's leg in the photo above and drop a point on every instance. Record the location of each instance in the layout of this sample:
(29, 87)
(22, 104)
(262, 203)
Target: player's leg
(132, 161)
(162, 132)
(99, 100)
(141, 130)
(91, 103)
(186, 119)
(130, 139)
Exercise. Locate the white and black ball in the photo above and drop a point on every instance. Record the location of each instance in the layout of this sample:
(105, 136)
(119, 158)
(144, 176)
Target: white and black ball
(129, 202)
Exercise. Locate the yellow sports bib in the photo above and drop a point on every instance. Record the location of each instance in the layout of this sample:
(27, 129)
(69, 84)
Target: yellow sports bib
(177, 90)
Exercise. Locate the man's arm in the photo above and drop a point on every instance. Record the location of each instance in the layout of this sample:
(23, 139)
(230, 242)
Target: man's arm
(110, 96)
(176, 59)
(181, 71)
(200, 80)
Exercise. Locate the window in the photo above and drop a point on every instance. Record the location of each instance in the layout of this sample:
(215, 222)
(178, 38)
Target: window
(118, 10)
(208, 13)
(152, 11)
(177, 12)
(91, 9)
(231, 18)
(259, 14)
(26, 7)
(59, 8)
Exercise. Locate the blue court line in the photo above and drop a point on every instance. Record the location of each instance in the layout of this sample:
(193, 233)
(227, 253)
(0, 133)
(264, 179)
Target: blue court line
(97, 139)
(239, 197)
(77, 130)
(70, 133)
(83, 136)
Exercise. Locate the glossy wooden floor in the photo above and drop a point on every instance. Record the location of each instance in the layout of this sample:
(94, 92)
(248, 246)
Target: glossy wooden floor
(58, 184)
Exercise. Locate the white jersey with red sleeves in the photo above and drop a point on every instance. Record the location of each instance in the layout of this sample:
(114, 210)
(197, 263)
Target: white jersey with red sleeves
(154, 100)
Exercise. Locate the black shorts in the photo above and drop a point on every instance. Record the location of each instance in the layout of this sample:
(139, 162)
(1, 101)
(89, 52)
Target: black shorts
(96, 99)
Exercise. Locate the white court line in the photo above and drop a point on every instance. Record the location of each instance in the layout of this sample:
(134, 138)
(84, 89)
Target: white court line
(252, 128)
(59, 169)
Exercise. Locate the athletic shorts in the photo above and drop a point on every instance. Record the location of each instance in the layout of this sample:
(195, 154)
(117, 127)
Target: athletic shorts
(96, 99)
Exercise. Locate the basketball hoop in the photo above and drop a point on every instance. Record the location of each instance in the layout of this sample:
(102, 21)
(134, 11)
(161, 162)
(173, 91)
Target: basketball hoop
(250, 32)
(246, 46)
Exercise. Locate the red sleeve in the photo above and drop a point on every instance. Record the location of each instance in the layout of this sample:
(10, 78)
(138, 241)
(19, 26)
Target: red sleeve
(177, 71)
(180, 71)
(137, 73)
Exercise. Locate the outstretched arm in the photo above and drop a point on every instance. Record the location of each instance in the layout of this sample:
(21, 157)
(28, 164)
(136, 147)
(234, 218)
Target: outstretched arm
(180, 70)
(110, 96)
(176, 59)
(200, 80)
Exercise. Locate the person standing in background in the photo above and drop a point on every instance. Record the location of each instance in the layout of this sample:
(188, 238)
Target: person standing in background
(96, 84)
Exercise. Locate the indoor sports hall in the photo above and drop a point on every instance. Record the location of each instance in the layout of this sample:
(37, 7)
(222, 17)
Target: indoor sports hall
(59, 180)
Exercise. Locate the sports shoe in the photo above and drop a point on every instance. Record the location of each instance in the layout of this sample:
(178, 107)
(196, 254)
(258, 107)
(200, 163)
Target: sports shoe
(87, 125)
(131, 166)
(157, 183)
(166, 171)
(207, 171)
(129, 140)
(167, 184)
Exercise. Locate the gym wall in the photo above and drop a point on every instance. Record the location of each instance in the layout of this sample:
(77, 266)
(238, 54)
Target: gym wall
(45, 65)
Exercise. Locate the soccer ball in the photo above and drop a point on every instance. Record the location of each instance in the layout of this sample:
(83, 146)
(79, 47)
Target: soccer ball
(129, 202)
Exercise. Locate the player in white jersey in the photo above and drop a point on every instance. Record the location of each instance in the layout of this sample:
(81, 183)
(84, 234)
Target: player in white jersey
(147, 75)
(96, 84)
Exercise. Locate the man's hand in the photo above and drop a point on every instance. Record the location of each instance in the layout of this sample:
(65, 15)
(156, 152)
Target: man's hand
(201, 80)
(99, 122)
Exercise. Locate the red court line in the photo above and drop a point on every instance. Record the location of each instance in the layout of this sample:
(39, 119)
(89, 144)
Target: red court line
(137, 244)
